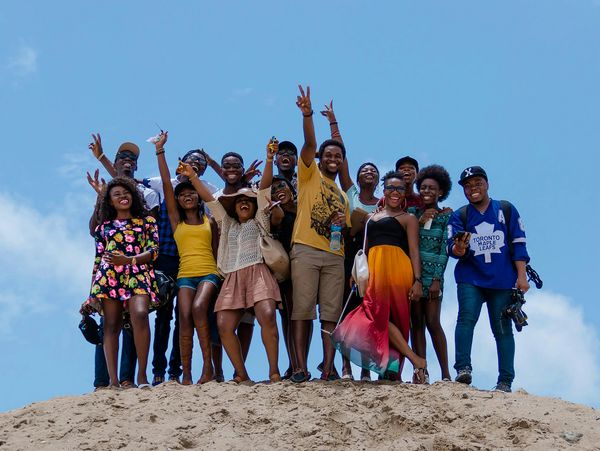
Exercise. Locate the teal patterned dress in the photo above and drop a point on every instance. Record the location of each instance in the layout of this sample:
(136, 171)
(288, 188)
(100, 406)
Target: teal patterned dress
(432, 246)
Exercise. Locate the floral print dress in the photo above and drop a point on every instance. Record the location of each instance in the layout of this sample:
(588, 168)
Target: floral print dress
(131, 237)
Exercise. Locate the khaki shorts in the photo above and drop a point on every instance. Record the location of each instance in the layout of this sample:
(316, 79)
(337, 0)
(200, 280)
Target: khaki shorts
(316, 275)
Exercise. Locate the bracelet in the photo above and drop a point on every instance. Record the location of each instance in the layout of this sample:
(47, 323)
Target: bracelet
(333, 123)
(160, 151)
(309, 114)
(418, 279)
(133, 261)
(269, 160)
(100, 156)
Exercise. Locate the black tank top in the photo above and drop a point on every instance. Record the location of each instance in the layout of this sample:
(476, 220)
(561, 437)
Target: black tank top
(387, 231)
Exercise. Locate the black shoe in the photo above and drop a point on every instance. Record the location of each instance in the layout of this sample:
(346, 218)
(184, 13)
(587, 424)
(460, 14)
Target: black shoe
(300, 376)
(464, 376)
(503, 386)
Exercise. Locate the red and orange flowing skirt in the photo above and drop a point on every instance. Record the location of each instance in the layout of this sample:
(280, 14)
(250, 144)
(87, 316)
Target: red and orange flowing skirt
(363, 335)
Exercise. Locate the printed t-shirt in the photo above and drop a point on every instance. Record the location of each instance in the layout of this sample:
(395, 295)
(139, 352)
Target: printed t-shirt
(488, 262)
(318, 198)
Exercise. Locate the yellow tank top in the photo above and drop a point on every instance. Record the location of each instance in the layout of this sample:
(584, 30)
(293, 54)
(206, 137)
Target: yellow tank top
(194, 243)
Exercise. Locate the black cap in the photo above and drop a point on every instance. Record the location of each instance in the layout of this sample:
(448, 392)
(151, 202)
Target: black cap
(285, 145)
(470, 172)
(183, 185)
(283, 179)
(409, 160)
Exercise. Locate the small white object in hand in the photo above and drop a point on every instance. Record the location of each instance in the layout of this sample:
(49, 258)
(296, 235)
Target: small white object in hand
(153, 139)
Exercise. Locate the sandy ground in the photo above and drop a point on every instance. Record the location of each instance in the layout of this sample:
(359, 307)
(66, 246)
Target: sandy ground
(315, 415)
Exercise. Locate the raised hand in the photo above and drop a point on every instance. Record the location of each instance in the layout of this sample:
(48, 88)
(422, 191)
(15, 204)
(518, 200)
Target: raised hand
(252, 171)
(186, 169)
(162, 140)
(303, 101)
(97, 183)
(96, 145)
(272, 148)
(328, 112)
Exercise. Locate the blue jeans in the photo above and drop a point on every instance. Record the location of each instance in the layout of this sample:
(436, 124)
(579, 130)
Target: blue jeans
(162, 325)
(470, 301)
(128, 359)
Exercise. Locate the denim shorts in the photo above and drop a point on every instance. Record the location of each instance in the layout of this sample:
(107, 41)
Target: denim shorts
(193, 282)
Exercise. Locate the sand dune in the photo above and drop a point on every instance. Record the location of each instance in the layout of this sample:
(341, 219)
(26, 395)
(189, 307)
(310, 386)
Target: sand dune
(316, 415)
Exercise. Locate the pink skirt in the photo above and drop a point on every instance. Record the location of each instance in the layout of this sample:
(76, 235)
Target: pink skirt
(247, 286)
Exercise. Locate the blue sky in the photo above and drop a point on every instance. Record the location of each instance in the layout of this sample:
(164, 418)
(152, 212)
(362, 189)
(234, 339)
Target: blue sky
(512, 86)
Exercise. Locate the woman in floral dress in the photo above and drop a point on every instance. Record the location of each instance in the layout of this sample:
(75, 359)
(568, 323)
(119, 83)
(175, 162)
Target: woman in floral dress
(123, 278)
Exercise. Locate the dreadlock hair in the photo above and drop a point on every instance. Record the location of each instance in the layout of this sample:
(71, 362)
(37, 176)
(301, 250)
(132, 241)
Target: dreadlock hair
(107, 212)
(178, 189)
(440, 175)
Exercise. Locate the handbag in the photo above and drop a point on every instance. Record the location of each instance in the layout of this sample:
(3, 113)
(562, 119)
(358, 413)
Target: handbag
(166, 284)
(360, 268)
(274, 254)
(166, 287)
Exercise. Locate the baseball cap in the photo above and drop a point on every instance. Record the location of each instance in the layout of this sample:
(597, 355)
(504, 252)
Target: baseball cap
(409, 160)
(131, 147)
(470, 172)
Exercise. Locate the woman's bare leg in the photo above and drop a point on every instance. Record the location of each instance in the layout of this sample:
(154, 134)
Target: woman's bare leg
(138, 312)
(113, 323)
(265, 314)
(438, 337)
(399, 344)
(228, 321)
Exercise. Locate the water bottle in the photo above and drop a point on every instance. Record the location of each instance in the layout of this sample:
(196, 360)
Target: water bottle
(335, 243)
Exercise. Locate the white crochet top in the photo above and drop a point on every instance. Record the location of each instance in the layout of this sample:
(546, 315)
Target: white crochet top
(239, 245)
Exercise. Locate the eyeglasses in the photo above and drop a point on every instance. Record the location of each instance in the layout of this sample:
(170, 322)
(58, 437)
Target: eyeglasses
(126, 154)
(399, 189)
(232, 166)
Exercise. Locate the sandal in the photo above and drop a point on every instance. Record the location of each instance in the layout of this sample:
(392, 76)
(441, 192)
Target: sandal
(276, 377)
(419, 376)
(157, 380)
(128, 384)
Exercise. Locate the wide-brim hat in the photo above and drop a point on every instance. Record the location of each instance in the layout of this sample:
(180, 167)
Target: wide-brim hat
(131, 147)
(228, 200)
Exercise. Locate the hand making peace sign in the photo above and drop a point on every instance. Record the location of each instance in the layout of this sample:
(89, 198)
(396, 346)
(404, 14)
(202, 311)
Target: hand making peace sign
(303, 101)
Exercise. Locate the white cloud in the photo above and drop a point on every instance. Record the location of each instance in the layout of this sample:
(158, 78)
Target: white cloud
(557, 354)
(24, 63)
(45, 259)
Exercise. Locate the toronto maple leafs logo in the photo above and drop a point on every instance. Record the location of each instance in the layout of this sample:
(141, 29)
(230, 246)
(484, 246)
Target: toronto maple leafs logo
(487, 241)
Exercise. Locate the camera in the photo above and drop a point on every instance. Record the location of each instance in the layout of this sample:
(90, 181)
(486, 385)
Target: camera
(515, 311)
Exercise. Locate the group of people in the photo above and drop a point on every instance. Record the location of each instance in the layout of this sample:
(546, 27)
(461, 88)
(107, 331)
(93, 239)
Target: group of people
(213, 242)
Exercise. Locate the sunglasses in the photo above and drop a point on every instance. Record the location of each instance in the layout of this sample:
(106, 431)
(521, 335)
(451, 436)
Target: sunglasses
(399, 189)
(126, 154)
(289, 152)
